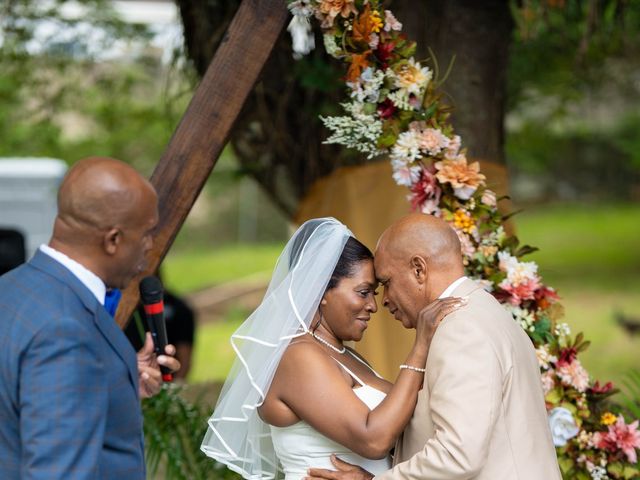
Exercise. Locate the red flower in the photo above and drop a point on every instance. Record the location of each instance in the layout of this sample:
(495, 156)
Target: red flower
(567, 356)
(425, 193)
(545, 296)
(384, 52)
(596, 388)
(386, 109)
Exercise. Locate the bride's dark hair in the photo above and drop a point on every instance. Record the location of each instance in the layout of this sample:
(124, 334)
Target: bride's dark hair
(353, 253)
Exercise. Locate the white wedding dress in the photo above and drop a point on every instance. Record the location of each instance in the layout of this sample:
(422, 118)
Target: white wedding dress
(300, 447)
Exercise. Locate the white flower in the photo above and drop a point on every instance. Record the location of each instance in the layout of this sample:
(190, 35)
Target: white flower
(391, 22)
(301, 35)
(400, 99)
(464, 193)
(489, 198)
(517, 272)
(301, 8)
(407, 146)
(544, 357)
(330, 45)
(367, 87)
(563, 426)
(359, 130)
(453, 148)
(374, 40)
(487, 285)
(410, 77)
(406, 176)
(522, 316)
(562, 330)
(598, 473)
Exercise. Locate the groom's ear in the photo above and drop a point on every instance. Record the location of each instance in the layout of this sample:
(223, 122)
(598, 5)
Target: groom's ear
(419, 268)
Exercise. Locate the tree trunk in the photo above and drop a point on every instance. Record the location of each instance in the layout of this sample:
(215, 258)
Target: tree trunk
(478, 35)
(278, 136)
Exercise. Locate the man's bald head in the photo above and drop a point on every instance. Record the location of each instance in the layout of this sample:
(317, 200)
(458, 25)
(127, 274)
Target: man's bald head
(416, 259)
(425, 235)
(100, 192)
(106, 213)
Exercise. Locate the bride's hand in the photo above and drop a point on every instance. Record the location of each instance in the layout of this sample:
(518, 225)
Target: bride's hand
(430, 317)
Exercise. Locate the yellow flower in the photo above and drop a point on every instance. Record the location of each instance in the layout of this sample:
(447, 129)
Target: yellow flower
(463, 221)
(376, 22)
(608, 418)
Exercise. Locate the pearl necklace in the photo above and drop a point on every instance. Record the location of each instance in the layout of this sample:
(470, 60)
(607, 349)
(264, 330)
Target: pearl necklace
(322, 340)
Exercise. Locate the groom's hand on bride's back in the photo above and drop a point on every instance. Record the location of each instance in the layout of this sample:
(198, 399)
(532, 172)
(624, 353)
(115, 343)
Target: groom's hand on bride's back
(345, 471)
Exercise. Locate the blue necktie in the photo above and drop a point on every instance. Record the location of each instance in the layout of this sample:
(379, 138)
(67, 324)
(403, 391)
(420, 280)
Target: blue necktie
(111, 300)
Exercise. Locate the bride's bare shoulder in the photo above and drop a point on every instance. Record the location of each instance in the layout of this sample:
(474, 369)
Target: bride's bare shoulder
(305, 353)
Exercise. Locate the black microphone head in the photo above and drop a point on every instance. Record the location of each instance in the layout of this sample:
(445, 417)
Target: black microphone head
(151, 290)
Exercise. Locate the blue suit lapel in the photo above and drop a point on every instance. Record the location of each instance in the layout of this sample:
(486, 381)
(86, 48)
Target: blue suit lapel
(119, 342)
(105, 323)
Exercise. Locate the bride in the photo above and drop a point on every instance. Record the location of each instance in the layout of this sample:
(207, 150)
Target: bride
(296, 394)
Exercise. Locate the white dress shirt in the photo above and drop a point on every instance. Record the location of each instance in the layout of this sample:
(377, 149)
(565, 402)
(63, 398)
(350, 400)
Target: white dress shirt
(449, 290)
(87, 277)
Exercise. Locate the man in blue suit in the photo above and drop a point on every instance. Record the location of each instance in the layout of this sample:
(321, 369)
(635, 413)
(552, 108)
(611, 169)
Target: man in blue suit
(70, 382)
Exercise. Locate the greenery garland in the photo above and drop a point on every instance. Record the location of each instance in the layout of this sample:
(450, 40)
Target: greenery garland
(394, 109)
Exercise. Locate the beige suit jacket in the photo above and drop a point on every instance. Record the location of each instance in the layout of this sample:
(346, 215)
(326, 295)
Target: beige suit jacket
(481, 412)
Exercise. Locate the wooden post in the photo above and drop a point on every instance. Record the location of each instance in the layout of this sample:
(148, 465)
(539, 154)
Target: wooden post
(203, 131)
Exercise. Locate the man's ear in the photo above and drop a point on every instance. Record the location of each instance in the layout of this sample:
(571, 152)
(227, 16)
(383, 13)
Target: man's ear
(419, 268)
(111, 240)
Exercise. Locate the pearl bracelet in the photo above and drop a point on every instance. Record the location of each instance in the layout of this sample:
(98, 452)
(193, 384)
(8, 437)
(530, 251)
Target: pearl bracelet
(411, 367)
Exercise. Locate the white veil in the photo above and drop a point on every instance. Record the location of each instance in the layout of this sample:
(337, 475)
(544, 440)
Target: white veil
(237, 436)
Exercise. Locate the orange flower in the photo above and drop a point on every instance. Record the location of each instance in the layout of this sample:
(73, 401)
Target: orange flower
(330, 9)
(464, 178)
(358, 63)
(366, 24)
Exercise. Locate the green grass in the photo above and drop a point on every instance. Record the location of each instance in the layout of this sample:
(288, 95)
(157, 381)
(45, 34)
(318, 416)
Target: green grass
(190, 271)
(213, 354)
(591, 255)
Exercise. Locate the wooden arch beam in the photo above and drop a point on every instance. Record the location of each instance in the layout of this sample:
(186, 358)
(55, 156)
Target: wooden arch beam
(204, 129)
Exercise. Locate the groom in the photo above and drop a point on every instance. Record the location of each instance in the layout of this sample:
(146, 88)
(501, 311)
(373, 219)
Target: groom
(481, 413)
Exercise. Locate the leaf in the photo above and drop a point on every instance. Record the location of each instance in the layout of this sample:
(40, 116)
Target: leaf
(526, 250)
(554, 396)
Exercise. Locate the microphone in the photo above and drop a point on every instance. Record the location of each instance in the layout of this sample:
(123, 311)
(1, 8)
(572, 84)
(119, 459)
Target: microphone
(152, 295)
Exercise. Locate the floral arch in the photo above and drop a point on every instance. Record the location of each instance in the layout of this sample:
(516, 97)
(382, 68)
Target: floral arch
(393, 108)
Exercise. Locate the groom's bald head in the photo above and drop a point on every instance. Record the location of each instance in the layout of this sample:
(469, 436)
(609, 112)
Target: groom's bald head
(425, 235)
(416, 258)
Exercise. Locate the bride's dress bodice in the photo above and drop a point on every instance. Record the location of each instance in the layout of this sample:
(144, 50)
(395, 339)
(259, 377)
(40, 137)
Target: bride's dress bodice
(300, 447)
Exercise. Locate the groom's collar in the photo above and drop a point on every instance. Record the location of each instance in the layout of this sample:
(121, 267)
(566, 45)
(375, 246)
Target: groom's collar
(449, 290)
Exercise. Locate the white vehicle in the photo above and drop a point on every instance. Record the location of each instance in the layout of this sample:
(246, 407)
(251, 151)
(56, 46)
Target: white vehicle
(28, 189)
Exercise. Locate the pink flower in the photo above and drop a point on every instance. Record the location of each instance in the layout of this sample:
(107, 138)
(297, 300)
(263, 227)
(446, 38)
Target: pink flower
(522, 291)
(425, 193)
(391, 22)
(573, 375)
(489, 198)
(466, 245)
(598, 389)
(548, 381)
(620, 436)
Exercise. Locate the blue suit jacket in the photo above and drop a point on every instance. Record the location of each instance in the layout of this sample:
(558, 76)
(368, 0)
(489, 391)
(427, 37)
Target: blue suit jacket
(69, 405)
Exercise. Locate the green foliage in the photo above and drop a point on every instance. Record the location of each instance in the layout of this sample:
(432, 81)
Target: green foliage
(174, 429)
(564, 47)
(631, 393)
(58, 98)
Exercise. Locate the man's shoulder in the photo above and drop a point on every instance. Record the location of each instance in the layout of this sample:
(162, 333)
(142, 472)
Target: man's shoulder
(34, 297)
